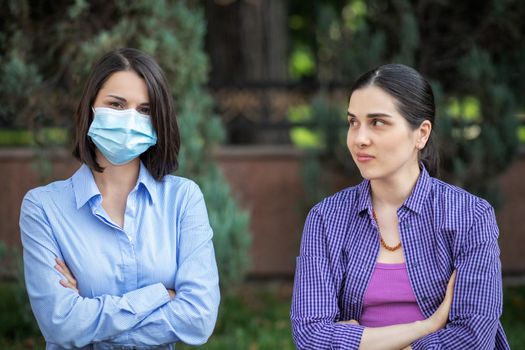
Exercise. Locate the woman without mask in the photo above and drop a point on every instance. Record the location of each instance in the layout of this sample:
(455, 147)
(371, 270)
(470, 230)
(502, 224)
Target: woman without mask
(120, 255)
(402, 260)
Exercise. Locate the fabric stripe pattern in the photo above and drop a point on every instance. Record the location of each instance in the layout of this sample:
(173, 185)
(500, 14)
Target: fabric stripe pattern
(442, 227)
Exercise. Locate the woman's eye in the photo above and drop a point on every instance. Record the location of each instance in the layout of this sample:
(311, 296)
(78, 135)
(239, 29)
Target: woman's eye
(115, 104)
(144, 110)
(352, 122)
(378, 122)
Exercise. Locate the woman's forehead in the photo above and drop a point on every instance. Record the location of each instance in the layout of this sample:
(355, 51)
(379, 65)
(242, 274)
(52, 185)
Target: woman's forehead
(125, 84)
(371, 99)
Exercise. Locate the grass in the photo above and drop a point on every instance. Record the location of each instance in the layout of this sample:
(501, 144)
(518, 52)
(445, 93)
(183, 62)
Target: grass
(256, 318)
(253, 319)
(513, 318)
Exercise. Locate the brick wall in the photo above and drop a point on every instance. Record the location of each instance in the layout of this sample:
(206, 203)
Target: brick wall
(266, 181)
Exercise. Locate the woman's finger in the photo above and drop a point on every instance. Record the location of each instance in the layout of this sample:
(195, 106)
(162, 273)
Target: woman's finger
(66, 284)
(65, 270)
(62, 268)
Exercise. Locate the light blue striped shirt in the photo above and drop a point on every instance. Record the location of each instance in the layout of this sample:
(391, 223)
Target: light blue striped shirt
(122, 274)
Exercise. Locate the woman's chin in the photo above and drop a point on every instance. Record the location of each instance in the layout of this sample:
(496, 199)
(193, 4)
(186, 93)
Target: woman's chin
(367, 173)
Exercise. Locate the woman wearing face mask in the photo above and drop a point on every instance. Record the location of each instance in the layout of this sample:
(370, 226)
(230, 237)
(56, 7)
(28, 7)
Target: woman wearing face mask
(120, 255)
(402, 260)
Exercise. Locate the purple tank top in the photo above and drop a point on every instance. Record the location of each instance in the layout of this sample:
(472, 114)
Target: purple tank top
(389, 298)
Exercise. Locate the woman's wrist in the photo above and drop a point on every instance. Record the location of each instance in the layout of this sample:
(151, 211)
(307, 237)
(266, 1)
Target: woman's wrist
(426, 327)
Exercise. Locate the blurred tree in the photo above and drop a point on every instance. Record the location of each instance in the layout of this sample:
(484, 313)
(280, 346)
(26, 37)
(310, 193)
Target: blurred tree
(472, 52)
(46, 52)
(247, 41)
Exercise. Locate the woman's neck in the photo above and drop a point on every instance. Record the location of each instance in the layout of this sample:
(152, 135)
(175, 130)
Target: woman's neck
(392, 191)
(116, 179)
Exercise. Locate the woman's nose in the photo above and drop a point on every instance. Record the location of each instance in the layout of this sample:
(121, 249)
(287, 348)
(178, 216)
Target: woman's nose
(361, 137)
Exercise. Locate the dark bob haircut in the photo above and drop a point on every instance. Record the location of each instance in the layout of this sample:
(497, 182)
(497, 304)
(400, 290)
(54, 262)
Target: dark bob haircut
(414, 101)
(161, 158)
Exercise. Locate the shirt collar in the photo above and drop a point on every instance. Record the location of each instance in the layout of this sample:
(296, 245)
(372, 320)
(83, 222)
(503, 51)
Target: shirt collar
(364, 200)
(85, 187)
(148, 182)
(420, 192)
(414, 202)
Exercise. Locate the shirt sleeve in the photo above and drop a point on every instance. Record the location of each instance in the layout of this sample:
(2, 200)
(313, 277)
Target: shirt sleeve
(190, 317)
(315, 308)
(64, 317)
(477, 302)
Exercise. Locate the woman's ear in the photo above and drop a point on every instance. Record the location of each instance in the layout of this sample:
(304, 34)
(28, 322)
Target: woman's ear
(423, 134)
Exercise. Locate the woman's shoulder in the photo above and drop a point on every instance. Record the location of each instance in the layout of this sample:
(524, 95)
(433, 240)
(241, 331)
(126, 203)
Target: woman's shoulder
(457, 210)
(175, 182)
(178, 187)
(344, 199)
(458, 197)
(42, 193)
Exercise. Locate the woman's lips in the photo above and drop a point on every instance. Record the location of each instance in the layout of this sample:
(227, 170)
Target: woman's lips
(363, 157)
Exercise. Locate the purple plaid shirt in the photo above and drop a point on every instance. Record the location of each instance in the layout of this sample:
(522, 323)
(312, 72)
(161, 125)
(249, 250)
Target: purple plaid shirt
(442, 228)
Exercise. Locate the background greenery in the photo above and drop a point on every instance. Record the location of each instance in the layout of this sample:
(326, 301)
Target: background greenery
(472, 51)
(46, 53)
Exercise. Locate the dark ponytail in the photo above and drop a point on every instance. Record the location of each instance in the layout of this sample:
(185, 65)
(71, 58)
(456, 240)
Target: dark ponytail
(415, 102)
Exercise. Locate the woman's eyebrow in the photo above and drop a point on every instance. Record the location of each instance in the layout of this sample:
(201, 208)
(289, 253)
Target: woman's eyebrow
(377, 115)
(118, 98)
(370, 115)
(124, 100)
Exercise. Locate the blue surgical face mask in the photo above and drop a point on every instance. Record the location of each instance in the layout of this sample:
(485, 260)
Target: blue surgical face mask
(121, 135)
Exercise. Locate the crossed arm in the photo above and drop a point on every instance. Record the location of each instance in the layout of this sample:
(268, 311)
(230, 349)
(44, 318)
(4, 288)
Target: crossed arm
(71, 282)
(148, 316)
(315, 328)
(469, 320)
(400, 336)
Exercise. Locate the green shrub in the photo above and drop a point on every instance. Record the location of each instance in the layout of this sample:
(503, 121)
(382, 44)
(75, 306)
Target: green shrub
(16, 318)
(479, 94)
(173, 33)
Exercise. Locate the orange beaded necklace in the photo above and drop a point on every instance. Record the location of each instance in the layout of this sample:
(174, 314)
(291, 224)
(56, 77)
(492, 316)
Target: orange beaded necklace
(383, 244)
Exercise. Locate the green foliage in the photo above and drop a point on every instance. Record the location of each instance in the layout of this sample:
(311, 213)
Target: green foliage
(474, 72)
(17, 79)
(231, 238)
(323, 139)
(258, 321)
(521, 134)
(512, 318)
(61, 56)
(23, 137)
(16, 319)
(323, 125)
(302, 62)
